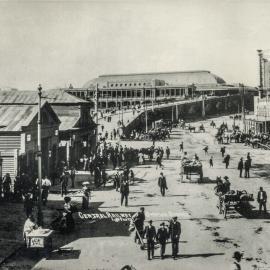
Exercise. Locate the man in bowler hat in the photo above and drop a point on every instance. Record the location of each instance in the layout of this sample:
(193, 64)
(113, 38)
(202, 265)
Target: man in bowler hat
(150, 235)
(162, 236)
(175, 231)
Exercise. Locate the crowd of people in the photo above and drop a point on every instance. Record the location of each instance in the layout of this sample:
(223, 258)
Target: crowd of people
(154, 134)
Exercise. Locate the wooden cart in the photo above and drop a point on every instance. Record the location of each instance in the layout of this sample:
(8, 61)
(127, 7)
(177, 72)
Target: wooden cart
(231, 201)
(193, 170)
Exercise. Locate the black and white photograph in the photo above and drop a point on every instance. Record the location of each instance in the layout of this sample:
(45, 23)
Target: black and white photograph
(134, 134)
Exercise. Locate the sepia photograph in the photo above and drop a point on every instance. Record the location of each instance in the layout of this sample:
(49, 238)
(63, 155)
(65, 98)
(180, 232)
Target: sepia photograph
(134, 134)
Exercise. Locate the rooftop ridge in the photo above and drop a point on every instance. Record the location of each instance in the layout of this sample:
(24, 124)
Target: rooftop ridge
(153, 73)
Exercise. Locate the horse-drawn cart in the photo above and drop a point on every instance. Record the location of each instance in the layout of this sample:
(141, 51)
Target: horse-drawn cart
(233, 200)
(190, 168)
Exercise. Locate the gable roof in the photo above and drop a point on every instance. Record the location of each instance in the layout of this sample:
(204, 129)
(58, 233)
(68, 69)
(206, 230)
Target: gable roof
(14, 117)
(53, 96)
(68, 116)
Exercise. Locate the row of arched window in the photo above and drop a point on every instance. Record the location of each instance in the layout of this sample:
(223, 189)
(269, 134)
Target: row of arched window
(126, 84)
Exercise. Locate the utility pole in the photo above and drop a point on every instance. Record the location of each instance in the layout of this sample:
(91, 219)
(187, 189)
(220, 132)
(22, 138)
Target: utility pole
(265, 121)
(153, 97)
(39, 156)
(96, 97)
(242, 87)
(145, 111)
(122, 113)
(260, 53)
(203, 105)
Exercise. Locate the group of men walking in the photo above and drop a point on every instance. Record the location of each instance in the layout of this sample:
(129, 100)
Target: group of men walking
(153, 236)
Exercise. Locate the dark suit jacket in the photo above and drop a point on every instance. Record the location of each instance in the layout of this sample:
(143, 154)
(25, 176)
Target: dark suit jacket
(162, 181)
(150, 233)
(162, 235)
(264, 196)
(175, 230)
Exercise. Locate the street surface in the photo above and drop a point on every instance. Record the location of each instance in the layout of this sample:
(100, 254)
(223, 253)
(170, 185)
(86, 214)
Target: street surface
(208, 241)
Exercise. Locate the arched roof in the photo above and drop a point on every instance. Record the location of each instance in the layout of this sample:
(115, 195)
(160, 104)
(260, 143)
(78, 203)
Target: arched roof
(170, 78)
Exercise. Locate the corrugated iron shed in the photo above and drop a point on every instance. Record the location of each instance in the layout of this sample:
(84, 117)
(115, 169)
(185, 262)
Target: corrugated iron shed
(31, 97)
(14, 117)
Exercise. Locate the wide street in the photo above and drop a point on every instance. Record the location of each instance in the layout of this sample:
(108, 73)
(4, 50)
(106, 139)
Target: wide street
(207, 238)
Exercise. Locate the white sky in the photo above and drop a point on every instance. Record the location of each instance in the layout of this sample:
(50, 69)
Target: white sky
(57, 43)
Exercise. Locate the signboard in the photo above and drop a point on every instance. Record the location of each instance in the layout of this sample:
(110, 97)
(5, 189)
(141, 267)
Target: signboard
(109, 216)
(36, 242)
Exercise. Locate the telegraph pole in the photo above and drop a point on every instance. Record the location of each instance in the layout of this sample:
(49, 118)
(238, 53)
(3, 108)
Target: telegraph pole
(39, 156)
(122, 112)
(145, 111)
(260, 53)
(203, 105)
(96, 112)
(153, 97)
(243, 105)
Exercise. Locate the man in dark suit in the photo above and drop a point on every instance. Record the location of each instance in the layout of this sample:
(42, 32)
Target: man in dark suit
(150, 235)
(240, 166)
(162, 184)
(138, 219)
(175, 231)
(64, 183)
(162, 236)
(124, 190)
(247, 167)
(262, 199)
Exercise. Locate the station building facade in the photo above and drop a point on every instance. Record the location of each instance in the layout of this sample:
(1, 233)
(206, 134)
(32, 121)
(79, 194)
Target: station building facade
(132, 89)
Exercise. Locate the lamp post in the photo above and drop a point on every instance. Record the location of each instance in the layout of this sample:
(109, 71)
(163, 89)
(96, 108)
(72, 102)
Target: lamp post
(39, 156)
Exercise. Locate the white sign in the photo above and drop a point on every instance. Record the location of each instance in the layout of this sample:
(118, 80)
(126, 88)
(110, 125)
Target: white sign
(36, 242)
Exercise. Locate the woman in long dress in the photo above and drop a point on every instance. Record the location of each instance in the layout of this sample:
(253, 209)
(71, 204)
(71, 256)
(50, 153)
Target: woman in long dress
(68, 223)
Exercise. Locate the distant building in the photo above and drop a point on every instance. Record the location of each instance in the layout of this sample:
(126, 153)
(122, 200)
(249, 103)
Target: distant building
(131, 89)
(259, 122)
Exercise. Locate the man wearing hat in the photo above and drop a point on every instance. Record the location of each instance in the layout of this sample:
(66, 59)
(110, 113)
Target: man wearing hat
(162, 236)
(262, 199)
(226, 184)
(237, 256)
(64, 183)
(175, 231)
(150, 235)
(138, 219)
(162, 183)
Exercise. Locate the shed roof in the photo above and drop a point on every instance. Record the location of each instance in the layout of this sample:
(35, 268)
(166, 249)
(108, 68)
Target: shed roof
(15, 117)
(53, 96)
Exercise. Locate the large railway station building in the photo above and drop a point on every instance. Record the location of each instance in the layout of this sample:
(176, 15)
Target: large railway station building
(133, 89)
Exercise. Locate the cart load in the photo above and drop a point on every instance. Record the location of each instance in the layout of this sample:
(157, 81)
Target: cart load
(233, 200)
(192, 167)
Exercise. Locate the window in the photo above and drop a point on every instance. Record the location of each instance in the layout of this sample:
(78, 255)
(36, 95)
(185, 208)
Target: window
(139, 84)
(28, 137)
(111, 85)
(121, 84)
(134, 84)
(130, 84)
(125, 84)
(116, 85)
